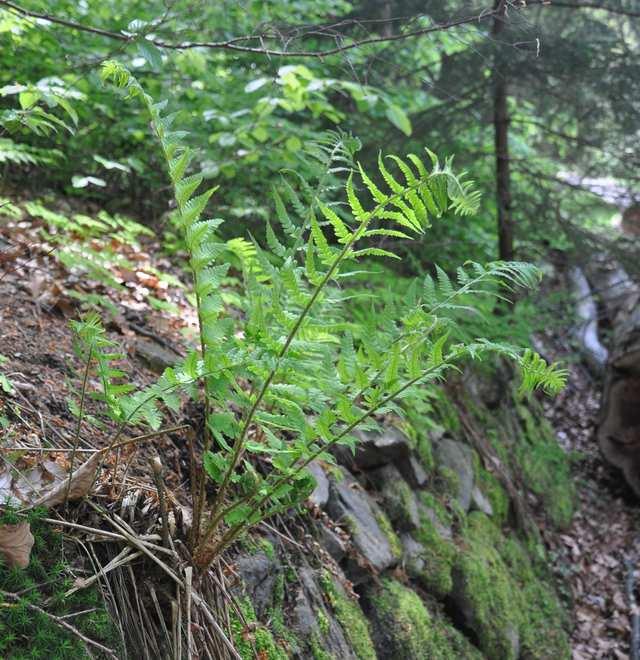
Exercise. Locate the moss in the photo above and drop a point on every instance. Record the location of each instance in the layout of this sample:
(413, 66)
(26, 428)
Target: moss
(258, 544)
(317, 652)
(447, 481)
(449, 643)
(350, 617)
(492, 489)
(504, 596)
(483, 584)
(323, 622)
(446, 412)
(387, 530)
(25, 633)
(256, 635)
(282, 632)
(425, 454)
(545, 466)
(398, 502)
(543, 633)
(433, 503)
(407, 630)
(438, 555)
(403, 628)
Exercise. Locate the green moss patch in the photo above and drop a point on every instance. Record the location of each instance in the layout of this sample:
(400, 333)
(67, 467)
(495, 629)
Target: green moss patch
(513, 611)
(438, 556)
(26, 634)
(350, 617)
(545, 466)
(254, 638)
(405, 629)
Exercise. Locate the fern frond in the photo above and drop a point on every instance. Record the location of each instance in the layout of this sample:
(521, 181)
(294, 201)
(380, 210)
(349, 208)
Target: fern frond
(537, 374)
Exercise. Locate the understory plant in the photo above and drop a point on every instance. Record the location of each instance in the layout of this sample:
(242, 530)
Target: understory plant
(287, 381)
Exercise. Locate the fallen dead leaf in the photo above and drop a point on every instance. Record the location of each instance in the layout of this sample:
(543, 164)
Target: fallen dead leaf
(16, 542)
(81, 481)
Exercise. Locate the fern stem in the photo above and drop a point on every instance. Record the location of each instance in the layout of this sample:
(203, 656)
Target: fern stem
(76, 440)
(234, 532)
(238, 448)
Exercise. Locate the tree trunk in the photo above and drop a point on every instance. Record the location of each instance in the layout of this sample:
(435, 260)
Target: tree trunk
(618, 430)
(501, 130)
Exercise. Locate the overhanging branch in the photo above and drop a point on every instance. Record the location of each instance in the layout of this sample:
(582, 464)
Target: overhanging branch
(241, 44)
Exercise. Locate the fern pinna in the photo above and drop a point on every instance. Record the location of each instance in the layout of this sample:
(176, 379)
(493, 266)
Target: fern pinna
(294, 378)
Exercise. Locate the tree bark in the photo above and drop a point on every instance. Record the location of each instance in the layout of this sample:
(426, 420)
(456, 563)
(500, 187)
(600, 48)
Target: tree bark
(618, 430)
(501, 135)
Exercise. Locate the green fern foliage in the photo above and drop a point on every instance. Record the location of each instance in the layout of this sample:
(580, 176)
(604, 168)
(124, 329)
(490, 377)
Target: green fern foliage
(297, 375)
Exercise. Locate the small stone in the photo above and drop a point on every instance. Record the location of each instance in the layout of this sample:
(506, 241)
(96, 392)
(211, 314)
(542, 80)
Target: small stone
(480, 503)
(320, 494)
(332, 543)
(458, 458)
(413, 553)
(413, 472)
(155, 356)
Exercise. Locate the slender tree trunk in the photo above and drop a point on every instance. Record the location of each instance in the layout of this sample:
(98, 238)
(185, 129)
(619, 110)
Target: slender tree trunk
(501, 130)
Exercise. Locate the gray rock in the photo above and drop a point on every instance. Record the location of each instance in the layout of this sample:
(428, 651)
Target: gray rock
(156, 357)
(332, 543)
(320, 494)
(412, 554)
(489, 390)
(398, 500)
(413, 472)
(479, 502)
(457, 457)
(374, 449)
(350, 505)
(308, 603)
(259, 574)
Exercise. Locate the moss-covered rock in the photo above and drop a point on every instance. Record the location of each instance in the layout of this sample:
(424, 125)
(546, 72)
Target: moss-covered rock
(437, 555)
(545, 465)
(545, 622)
(350, 617)
(484, 592)
(405, 629)
(398, 500)
(254, 635)
(401, 622)
(513, 611)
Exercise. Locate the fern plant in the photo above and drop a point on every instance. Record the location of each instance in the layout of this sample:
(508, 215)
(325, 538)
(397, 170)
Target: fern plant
(290, 383)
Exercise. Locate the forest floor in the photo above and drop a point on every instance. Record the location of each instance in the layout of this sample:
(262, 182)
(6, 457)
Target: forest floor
(595, 559)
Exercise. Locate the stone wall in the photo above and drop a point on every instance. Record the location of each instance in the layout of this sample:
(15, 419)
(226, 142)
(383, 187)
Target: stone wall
(410, 549)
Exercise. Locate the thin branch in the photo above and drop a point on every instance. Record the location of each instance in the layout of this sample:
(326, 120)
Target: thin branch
(235, 44)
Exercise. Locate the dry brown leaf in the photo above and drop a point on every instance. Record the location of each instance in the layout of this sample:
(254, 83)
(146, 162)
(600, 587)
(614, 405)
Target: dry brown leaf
(81, 481)
(16, 542)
